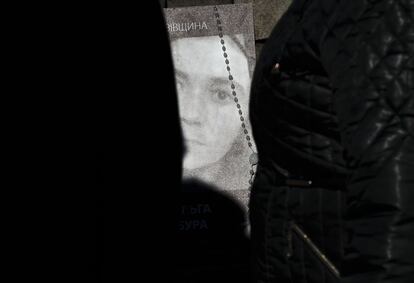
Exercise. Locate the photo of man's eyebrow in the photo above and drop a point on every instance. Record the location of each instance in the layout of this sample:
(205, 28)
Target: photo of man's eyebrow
(224, 82)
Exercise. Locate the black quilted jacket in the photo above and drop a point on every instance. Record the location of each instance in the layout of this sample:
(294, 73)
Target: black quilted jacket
(332, 111)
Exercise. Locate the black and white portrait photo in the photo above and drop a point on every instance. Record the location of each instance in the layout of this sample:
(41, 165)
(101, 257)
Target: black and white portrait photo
(213, 56)
(212, 130)
(214, 109)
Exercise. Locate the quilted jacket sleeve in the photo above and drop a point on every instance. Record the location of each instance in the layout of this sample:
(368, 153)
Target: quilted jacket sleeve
(368, 51)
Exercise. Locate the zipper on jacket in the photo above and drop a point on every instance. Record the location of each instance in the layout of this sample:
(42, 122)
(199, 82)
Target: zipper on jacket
(322, 257)
(289, 251)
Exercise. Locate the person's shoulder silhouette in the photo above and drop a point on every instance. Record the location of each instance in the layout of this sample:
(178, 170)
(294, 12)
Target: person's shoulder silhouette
(141, 145)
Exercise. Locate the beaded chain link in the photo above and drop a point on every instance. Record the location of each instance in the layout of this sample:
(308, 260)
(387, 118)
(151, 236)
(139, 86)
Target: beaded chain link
(253, 159)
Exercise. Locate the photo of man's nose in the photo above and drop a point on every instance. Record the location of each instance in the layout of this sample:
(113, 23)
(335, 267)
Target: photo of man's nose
(192, 106)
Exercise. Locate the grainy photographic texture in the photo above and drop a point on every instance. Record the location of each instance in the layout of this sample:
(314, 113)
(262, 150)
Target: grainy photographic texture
(214, 56)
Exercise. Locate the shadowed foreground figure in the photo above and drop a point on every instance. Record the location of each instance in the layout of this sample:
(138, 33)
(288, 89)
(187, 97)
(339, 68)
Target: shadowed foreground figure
(140, 140)
(332, 111)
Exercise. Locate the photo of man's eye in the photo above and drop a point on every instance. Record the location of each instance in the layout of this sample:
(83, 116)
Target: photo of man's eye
(220, 96)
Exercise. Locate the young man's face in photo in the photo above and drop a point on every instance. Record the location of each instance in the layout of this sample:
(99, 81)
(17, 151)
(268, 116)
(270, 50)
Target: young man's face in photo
(209, 117)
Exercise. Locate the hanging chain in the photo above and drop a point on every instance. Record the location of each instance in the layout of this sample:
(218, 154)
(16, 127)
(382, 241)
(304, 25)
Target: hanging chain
(253, 159)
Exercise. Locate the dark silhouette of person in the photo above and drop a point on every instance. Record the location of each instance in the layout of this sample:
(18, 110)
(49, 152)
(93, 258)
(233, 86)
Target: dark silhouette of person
(140, 145)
